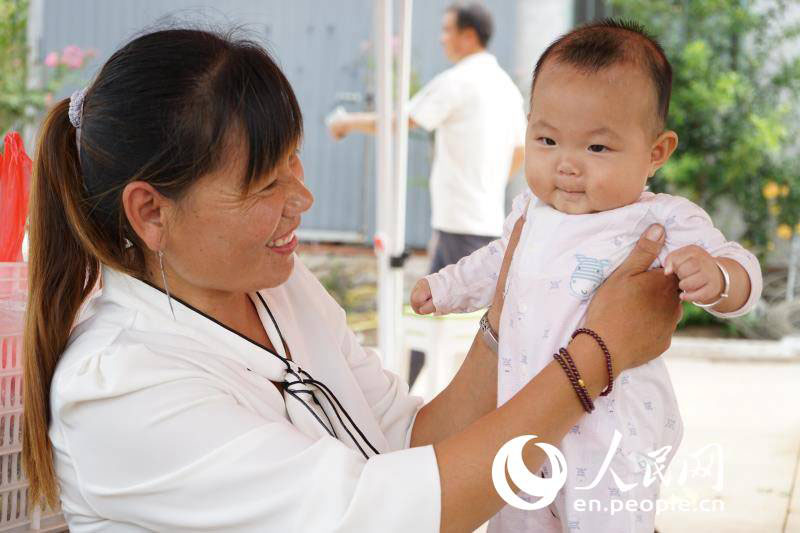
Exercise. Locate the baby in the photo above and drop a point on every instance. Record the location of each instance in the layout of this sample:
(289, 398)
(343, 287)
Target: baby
(596, 133)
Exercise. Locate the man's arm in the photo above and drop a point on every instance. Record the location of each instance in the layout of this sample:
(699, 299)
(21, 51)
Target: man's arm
(344, 124)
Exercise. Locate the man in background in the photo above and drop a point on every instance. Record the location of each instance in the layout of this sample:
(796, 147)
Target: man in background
(476, 112)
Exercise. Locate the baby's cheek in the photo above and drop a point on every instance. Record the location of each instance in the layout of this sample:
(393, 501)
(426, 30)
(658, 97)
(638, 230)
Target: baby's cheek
(541, 186)
(609, 194)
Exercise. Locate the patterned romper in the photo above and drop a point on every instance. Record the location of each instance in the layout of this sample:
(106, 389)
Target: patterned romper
(560, 260)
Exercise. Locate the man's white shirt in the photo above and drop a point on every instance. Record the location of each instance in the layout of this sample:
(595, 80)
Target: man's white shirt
(477, 113)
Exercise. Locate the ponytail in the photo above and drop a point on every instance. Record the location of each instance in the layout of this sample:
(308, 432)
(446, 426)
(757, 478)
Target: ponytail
(158, 112)
(61, 274)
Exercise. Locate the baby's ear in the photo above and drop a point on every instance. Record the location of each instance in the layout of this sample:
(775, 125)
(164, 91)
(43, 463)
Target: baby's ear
(662, 148)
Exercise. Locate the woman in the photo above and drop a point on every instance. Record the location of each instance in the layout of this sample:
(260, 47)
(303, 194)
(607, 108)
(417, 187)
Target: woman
(212, 384)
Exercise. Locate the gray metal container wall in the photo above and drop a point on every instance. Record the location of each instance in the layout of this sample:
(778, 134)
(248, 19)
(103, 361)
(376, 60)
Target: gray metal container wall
(325, 50)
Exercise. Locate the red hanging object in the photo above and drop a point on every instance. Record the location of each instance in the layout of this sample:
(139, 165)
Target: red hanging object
(15, 174)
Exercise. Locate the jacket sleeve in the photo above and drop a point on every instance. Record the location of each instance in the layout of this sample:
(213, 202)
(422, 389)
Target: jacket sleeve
(386, 393)
(687, 224)
(469, 284)
(171, 450)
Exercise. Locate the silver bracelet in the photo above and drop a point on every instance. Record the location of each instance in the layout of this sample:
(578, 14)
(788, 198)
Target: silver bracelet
(727, 278)
(489, 336)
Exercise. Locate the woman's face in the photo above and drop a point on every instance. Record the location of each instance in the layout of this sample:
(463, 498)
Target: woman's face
(220, 239)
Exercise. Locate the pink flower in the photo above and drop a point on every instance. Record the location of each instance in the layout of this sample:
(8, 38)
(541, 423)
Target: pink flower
(51, 60)
(72, 56)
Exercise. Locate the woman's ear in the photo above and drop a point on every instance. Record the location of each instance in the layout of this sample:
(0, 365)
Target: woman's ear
(662, 149)
(147, 211)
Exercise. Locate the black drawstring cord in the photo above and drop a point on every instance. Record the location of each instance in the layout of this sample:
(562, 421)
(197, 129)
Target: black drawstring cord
(288, 388)
(336, 412)
(293, 394)
(327, 393)
(289, 370)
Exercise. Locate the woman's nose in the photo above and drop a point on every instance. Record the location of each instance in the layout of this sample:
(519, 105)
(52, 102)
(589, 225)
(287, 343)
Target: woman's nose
(299, 198)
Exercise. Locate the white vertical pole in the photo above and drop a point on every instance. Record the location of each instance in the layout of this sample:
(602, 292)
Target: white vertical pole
(33, 34)
(398, 236)
(791, 281)
(401, 128)
(382, 33)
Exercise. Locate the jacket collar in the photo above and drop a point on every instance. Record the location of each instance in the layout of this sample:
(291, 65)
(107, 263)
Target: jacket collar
(189, 325)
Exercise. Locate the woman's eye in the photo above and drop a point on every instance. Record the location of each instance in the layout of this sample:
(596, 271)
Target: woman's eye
(270, 185)
(597, 148)
(547, 141)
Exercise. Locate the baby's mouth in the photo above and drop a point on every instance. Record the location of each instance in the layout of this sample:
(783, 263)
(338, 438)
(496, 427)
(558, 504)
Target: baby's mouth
(571, 194)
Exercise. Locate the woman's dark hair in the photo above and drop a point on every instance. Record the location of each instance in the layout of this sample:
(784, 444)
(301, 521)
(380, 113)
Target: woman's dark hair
(159, 111)
(474, 16)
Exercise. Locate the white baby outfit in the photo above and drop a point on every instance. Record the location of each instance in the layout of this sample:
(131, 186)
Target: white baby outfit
(559, 262)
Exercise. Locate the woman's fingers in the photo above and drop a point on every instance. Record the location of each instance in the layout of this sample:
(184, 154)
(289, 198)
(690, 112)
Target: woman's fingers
(512, 245)
(637, 310)
(499, 293)
(643, 254)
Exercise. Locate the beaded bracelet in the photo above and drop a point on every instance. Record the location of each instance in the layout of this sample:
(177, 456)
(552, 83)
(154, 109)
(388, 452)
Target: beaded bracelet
(609, 367)
(582, 386)
(568, 365)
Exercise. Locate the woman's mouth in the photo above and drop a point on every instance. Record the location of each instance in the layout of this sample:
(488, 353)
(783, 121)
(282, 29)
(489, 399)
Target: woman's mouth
(284, 245)
(282, 241)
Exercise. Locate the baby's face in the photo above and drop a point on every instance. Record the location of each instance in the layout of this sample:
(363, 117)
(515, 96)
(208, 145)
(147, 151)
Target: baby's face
(590, 139)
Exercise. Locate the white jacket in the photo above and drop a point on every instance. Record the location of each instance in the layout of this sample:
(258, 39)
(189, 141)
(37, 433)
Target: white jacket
(174, 425)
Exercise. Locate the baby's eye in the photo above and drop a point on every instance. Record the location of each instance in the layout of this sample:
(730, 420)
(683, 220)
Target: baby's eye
(547, 141)
(598, 148)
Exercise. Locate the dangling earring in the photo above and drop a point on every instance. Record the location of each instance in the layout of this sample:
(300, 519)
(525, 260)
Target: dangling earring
(164, 279)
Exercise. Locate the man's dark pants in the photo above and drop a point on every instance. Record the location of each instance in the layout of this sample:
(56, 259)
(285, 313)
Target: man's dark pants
(448, 248)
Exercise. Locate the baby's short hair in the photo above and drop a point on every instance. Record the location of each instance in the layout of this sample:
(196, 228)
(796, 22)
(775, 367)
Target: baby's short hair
(598, 45)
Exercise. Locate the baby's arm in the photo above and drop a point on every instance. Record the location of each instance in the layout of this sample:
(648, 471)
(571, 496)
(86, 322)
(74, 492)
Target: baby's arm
(469, 284)
(694, 247)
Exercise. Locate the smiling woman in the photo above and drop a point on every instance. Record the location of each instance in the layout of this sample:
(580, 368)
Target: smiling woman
(212, 384)
(170, 113)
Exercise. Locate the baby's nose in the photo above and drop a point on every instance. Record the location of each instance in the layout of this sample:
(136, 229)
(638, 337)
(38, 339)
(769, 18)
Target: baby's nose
(567, 168)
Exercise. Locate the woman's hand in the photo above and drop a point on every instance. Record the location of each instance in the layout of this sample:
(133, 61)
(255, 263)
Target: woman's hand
(635, 310)
(499, 292)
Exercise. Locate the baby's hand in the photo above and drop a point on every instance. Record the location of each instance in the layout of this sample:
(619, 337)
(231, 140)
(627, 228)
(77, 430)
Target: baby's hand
(421, 298)
(701, 279)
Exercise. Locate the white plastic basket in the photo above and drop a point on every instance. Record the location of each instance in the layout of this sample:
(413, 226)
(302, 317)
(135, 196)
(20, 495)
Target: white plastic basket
(15, 514)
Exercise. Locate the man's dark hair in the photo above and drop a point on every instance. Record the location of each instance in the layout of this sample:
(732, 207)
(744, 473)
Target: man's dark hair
(474, 16)
(598, 45)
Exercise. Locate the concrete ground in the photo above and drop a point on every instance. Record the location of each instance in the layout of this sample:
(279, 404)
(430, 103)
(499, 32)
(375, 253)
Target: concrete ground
(750, 409)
